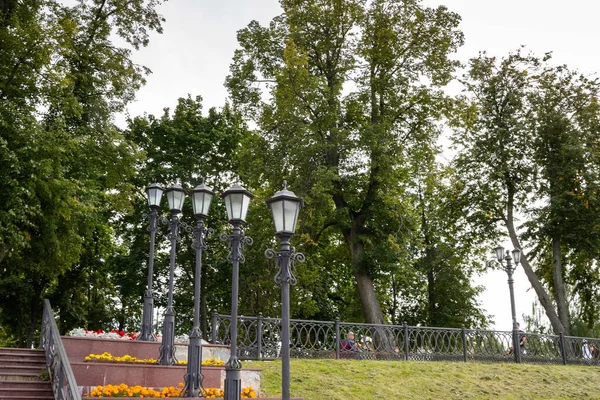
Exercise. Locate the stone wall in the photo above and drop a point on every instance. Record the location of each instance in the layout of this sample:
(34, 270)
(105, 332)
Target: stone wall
(89, 374)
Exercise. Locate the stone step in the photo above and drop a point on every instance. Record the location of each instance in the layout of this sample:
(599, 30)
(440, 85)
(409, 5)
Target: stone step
(19, 377)
(21, 351)
(21, 369)
(16, 356)
(36, 389)
(22, 361)
(27, 397)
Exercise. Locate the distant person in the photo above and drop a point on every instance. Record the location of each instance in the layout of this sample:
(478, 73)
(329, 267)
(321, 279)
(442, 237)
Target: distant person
(522, 338)
(349, 348)
(586, 351)
(595, 352)
(349, 344)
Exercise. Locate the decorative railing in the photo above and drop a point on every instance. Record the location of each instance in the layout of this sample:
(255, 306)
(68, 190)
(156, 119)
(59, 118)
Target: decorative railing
(259, 339)
(57, 362)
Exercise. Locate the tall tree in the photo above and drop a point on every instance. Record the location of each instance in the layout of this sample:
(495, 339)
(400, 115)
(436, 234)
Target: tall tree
(527, 139)
(566, 131)
(341, 91)
(450, 249)
(187, 145)
(61, 80)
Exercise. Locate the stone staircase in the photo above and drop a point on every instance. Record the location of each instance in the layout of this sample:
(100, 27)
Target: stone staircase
(20, 371)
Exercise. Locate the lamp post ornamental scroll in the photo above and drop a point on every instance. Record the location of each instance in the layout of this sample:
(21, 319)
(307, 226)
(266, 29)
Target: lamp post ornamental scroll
(285, 206)
(175, 196)
(154, 192)
(237, 199)
(510, 269)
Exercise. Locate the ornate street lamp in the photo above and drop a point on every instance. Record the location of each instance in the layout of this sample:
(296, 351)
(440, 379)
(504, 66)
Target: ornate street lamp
(237, 199)
(154, 193)
(175, 196)
(510, 269)
(201, 198)
(285, 207)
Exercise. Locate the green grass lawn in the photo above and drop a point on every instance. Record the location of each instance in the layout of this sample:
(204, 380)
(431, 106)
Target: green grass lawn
(362, 379)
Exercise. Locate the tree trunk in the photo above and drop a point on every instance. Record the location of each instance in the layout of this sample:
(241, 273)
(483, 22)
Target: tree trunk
(431, 295)
(33, 323)
(429, 257)
(559, 286)
(364, 283)
(368, 298)
(542, 294)
(394, 309)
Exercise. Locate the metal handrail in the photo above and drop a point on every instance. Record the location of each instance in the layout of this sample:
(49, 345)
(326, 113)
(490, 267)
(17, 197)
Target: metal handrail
(63, 381)
(259, 339)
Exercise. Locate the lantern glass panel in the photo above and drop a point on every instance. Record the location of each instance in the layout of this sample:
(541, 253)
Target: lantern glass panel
(516, 255)
(500, 253)
(155, 193)
(201, 202)
(290, 215)
(233, 204)
(237, 206)
(175, 198)
(278, 216)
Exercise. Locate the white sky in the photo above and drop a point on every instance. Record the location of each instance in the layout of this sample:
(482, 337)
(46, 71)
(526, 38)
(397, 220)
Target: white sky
(194, 53)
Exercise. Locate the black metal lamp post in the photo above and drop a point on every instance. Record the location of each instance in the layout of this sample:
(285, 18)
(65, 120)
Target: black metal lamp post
(201, 198)
(237, 199)
(175, 196)
(510, 269)
(154, 193)
(285, 207)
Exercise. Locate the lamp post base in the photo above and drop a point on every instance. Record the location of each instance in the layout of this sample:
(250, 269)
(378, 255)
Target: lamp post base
(167, 348)
(233, 383)
(193, 377)
(146, 334)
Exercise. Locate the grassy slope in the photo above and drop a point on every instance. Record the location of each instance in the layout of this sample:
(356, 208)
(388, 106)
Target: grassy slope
(362, 379)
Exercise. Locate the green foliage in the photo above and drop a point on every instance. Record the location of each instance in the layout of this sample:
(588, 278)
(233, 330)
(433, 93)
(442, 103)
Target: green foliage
(527, 136)
(343, 113)
(189, 146)
(61, 80)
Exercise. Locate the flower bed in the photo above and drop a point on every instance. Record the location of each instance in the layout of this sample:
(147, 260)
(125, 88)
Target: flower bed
(106, 356)
(121, 335)
(124, 390)
(100, 334)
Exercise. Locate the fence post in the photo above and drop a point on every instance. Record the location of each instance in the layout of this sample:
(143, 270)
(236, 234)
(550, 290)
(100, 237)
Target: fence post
(464, 340)
(337, 338)
(259, 336)
(406, 342)
(214, 328)
(517, 344)
(563, 348)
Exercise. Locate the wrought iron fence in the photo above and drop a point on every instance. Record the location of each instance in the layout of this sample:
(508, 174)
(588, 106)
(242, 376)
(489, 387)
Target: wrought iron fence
(57, 362)
(259, 339)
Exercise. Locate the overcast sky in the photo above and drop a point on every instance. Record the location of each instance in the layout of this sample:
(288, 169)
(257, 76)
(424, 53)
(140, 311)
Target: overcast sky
(194, 52)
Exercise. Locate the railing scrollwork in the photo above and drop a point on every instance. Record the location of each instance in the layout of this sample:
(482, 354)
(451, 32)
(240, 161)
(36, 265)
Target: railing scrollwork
(62, 379)
(325, 339)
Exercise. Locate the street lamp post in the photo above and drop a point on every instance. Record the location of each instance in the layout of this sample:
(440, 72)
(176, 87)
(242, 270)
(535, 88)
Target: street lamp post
(285, 206)
(175, 196)
(510, 269)
(237, 199)
(154, 193)
(201, 197)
